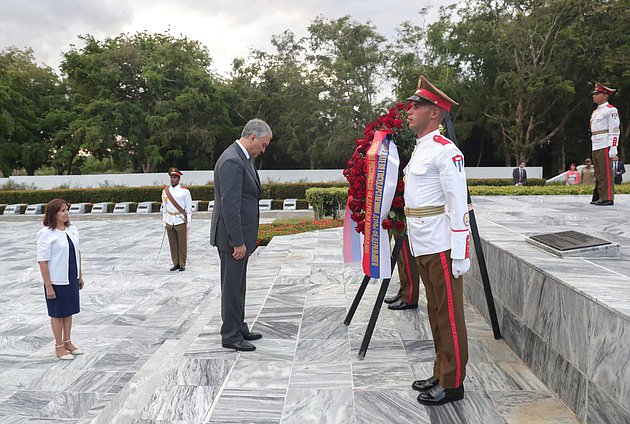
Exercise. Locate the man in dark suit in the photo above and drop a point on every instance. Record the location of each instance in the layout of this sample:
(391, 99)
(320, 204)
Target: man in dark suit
(234, 227)
(519, 175)
(618, 169)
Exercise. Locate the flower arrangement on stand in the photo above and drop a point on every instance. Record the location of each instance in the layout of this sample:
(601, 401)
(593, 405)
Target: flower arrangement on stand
(355, 173)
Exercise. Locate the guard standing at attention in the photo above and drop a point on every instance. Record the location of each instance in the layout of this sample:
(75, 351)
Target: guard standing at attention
(439, 240)
(605, 138)
(177, 214)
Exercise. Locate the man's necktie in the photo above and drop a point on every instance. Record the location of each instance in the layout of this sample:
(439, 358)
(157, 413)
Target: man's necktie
(251, 162)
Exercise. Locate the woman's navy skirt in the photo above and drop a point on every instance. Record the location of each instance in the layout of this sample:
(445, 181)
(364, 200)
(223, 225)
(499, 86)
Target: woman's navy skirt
(67, 301)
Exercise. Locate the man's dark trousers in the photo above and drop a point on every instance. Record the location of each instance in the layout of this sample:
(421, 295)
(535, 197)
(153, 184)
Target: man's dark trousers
(233, 289)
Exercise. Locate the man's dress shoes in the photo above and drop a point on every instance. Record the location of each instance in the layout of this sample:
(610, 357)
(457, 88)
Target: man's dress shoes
(424, 385)
(440, 395)
(252, 336)
(175, 268)
(400, 305)
(243, 346)
(391, 299)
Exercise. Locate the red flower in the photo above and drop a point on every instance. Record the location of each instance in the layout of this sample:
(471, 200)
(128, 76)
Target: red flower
(388, 121)
(401, 186)
(400, 106)
(398, 123)
(399, 225)
(398, 202)
(409, 105)
(387, 224)
(356, 217)
(346, 172)
(360, 226)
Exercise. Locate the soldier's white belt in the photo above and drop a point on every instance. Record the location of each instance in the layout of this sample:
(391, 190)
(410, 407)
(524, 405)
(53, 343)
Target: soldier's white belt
(425, 211)
(173, 213)
(598, 132)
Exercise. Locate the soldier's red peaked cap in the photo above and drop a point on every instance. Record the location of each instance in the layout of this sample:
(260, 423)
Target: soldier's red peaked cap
(174, 171)
(601, 88)
(427, 92)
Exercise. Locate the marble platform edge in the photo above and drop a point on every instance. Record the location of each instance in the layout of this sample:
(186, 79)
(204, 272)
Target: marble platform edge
(496, 244)
(605, 251)
(571, 383)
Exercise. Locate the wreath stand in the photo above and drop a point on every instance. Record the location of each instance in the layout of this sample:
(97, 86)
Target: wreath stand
(481, 260)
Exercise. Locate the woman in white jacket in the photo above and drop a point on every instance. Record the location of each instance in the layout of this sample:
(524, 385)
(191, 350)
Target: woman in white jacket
(60, 264)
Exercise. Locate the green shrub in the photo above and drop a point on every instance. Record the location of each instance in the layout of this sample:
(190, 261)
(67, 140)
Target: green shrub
(327, 201)
(540, 190)
(498, 182)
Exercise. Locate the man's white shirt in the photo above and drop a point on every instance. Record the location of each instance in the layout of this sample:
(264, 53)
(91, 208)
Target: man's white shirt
(170, 214)
(605, 120)
(435, 176)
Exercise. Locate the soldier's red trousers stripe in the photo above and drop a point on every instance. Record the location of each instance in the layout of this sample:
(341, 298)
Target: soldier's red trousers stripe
(408, 270)
(610, 176)
(451, 315)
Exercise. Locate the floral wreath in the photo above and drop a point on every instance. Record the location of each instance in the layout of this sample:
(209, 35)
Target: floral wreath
(355, 173)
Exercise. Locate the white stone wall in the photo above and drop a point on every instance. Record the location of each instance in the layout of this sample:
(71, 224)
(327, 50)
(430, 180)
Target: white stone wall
(205, 177)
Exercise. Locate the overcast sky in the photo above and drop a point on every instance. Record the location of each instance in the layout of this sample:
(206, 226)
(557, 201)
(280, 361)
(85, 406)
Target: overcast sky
(228, 28)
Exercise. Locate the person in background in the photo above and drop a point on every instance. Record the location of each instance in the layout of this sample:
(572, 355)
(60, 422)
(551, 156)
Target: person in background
(59, 260)
(605, 130)
(177, 214)
(587, 173)
(519, 175)
(572, 176)
(618, 169)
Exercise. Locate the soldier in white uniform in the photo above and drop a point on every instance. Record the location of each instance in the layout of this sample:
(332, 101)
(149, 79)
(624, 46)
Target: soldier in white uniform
(177, 214)
(438, 227)
(605, 137)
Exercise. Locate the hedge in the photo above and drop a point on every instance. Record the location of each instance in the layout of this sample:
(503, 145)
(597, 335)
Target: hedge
(548, 190)
(142, 194)
(277, 191)
(497, 182)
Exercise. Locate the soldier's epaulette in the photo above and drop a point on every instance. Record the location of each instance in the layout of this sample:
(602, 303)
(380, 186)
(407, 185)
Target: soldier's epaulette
(442, 140)
(609, 106)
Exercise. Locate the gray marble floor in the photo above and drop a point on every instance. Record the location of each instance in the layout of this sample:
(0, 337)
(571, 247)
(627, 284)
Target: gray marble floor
(153, 352)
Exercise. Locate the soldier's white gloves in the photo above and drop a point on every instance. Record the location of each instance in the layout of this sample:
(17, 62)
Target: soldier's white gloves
(612, 152)
(460, 267)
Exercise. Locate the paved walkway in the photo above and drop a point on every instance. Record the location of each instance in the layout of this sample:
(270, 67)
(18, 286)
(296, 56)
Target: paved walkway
(153, 352)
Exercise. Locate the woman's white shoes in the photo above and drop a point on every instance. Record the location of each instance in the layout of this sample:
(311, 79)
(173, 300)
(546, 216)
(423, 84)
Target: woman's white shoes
(65, 357)
(76, 351)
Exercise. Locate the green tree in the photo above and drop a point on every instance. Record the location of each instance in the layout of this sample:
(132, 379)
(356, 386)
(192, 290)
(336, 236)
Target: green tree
(149, 99)
(28, 93)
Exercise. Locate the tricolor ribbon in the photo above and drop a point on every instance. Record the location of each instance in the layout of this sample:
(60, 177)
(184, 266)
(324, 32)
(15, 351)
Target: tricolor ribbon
(382, 177)
(352, 241)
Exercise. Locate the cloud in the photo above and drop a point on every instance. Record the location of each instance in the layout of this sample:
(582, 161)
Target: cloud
(229, 29)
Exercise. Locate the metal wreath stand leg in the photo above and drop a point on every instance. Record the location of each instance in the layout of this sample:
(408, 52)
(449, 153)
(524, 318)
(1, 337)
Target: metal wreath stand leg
(481, 260)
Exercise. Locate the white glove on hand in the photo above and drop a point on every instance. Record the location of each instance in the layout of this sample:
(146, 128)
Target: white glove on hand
(460, 267)
(612, 152)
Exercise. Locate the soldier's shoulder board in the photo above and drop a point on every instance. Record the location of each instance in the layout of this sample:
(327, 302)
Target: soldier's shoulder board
(442, 140)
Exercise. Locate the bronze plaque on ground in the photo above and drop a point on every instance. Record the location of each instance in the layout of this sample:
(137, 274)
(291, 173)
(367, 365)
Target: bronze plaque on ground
(569, 240)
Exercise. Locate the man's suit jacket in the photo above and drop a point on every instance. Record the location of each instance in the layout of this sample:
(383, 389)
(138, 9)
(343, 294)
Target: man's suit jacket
(235, 213)
(622, 169)
(516, 177)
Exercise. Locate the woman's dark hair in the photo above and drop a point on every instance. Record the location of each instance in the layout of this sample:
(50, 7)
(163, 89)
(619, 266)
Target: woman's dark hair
(54, 206)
